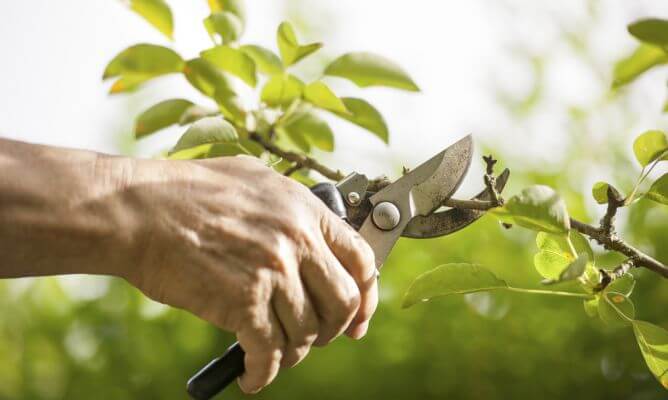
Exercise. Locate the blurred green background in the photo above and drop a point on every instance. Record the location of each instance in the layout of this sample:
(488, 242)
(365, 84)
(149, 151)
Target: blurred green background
(82, 337)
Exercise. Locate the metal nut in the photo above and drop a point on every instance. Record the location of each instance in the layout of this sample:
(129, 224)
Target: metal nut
(386, 216)
(354, 198)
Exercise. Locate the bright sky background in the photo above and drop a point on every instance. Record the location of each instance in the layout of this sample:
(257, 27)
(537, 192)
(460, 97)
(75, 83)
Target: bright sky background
(462, 53)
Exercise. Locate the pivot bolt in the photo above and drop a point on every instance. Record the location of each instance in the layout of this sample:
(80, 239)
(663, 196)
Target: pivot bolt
(354, 198)
(386, 216)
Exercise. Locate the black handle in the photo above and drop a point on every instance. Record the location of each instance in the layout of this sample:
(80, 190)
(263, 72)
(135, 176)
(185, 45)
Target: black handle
(222, 371)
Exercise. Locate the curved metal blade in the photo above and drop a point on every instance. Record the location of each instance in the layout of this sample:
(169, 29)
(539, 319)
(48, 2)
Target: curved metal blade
(419, 192)
(452, 220)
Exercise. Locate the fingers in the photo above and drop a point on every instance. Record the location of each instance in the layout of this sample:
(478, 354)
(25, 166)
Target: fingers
(334, 294)
(298, 319)
(358, 258)
(262, 340)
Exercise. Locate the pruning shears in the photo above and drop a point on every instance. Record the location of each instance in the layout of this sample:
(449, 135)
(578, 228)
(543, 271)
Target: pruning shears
(407, 207)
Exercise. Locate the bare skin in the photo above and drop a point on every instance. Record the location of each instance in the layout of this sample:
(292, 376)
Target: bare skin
(227, 239)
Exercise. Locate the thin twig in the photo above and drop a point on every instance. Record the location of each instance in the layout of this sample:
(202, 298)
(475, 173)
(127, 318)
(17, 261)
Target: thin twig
(296, 167)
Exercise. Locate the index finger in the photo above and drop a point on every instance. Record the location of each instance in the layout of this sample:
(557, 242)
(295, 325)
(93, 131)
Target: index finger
(357, 257)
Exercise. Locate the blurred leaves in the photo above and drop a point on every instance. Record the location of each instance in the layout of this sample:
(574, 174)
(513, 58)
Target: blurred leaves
(140, 63)
(205, 77)
(643, 58)
(320, 95)
(363, 114)
(209, 130)
(266, 61)
(234, 61)
(653, 343)
(160, 116)
(305, 128)
(659, 190)
(289, 47)
(650, 146)
(651, 30)
(226, 25)
(157, 13)
(367, 69)
(281, 90)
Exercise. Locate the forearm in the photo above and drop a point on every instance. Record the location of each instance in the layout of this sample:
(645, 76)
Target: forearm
(60, 211)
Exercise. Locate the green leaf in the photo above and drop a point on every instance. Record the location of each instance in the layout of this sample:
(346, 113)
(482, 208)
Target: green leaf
(591, 307)
(320, 95)
(305, 128)
(205, 77)
(140, 63)
(653, 343)
(281, 90)
(451, 279)
(367, 69)
(363, 114)
(642, 59)
(575, 269)
(235, 7)
(160, 116)
(651, 30)
(539, 208)
(555, 255)
(224, 24)
(230, 105)
(266, 61)
(157, 13)
(205, 131)
(623, 285)
(196, 112)
(234, 61)
(600, 192)
(649, 146)
(659, 190)
(288, 45)
(615, 308)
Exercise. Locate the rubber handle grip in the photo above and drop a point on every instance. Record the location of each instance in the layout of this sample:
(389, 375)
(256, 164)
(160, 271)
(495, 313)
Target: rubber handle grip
(222, 371)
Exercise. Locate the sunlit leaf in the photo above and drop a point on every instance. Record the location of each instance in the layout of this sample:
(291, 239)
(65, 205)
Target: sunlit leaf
(230, 105)
(305, 128)
(320, 95)
(160, 116)
(651, 30)
(649, 146)
(157, 13)
(659, 190)
(615, 308)
(205, 77)
(643, 58)
(266, 61)
(623, 285)
(538, 208)
(281, 90)
(206, 131)
(367, 69)
(224, 24)
(234, 61)
(451, 279)
(600, 192)
(288, 45)
(555, 255)
(363, 114)
(653, 343)
(139, 63)
(235, 7)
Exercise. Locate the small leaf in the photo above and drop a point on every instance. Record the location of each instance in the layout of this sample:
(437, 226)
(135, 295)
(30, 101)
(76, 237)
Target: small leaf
(266, 61)
(591, 307)
(623, 285)
(142, 62)
(226, 25)
(651, 30)
(615, 308)
(363, 114)
(160, 116)
(575, 269)
(649, 146)
(600, 192)
(451, 279)
(320, 95)
(367, 69)
(555, 255)
(205, 77)
(157, 13)
(659, 190)
(235, 7)
(205, 131)
(234, 61)
(653, 343)
(288, 45)
(281, 90)
(539, 208)
(642, 59)
(305, 128)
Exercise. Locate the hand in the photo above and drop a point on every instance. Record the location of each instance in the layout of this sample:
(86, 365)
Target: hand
(253, 252)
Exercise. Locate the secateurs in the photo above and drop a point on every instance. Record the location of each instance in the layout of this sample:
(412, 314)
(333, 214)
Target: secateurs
(407, 207)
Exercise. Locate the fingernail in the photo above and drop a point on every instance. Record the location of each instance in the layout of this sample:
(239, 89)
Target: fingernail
(358, 331)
